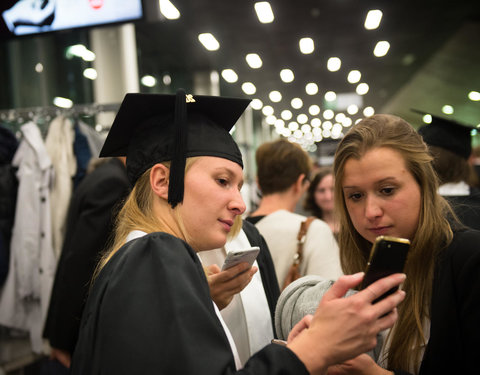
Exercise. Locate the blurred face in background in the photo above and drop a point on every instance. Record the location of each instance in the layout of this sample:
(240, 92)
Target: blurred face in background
(324, 193)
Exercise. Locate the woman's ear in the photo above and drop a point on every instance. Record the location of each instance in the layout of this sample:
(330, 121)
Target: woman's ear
(159, 176)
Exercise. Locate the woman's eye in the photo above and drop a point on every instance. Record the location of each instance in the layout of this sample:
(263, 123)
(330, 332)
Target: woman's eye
(354, 196)
(222, 181)
(388, 190)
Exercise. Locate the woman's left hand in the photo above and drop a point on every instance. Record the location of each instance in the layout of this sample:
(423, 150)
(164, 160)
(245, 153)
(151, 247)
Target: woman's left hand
(361, 365)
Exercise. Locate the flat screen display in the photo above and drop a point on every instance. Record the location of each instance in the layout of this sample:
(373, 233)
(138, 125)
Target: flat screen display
(26, 17)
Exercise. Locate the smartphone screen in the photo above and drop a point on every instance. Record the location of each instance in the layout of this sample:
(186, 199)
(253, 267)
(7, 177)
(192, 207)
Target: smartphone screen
(239, 256)
(388, 256)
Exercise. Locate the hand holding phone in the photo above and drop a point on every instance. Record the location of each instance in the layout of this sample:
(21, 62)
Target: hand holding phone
(239, 256)
(388, 256)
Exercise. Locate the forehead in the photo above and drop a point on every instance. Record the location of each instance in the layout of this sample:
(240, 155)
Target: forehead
(214, 163)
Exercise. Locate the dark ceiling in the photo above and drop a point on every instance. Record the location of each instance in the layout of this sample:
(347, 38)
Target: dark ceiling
(434, 56)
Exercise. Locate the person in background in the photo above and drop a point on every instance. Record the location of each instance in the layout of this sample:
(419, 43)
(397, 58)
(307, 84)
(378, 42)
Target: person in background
(150, 308)
(450, 145)
(282, 176)
(385, 184)
(319, 198)
(89, 227)
(474, 161)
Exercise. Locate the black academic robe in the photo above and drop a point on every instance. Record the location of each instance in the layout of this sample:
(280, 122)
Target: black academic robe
(150, 312)
(467, 208)
(88, 228)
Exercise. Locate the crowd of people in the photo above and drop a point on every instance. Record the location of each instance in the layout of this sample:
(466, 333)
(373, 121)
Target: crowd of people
(166, 206)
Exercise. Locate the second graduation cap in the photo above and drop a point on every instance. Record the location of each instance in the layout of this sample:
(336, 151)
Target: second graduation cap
(153, 128)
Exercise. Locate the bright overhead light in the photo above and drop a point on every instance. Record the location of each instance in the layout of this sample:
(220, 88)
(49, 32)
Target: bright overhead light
(296, 103)
(148, 81)
(279, 123)
(286, 114)
(346, 122)
(79, 50)
(270, 120)
(249, 88)
(339, 117)
(328, 114)
(427, 118)
(354, 76)
(352, 109)
(293, 126)
(314, 110)
(275, 96)
(306, 45)
(267, 110)
(362, 89)
(372, 21)
(264, 12)
(327, 125)
(62, 102)
(311, 88)
(330, 96)
(209, 41)
(229, 75)
(447, 109)
(90, 73)
(256, 104)
(169, 10)
(302, 118)
(253, 60)
(381, 49)
(287, 75)
(368, 111)
(316, 122)
(474, 96)
(39, 67)
(334, 64)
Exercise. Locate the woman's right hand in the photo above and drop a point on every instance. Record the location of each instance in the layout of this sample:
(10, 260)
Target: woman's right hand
(61, 356)
(343, 328)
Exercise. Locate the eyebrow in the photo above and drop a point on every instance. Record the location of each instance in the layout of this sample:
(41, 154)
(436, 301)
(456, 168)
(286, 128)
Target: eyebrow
(386, 179)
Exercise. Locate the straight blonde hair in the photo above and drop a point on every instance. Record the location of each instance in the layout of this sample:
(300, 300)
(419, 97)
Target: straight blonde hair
(433, 233)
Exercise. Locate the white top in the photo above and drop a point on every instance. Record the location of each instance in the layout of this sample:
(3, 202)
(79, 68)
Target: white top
(320, 250)
(454, 189)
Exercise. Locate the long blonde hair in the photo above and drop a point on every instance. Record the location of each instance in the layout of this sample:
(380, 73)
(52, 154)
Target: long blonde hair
(433, 234)
(137, 214)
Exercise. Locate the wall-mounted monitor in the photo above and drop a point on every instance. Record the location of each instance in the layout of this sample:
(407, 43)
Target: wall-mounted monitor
(27, 17)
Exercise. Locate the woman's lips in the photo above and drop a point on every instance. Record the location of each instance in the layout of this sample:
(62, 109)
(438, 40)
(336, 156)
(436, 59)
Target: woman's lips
(227, 224)
(379, 231)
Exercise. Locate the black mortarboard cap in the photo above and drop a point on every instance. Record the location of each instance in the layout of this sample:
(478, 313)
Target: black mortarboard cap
(447, 134)
(153, 128)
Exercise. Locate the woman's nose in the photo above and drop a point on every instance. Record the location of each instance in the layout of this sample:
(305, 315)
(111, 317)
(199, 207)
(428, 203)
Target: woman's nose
(237, 204)
(372, 208)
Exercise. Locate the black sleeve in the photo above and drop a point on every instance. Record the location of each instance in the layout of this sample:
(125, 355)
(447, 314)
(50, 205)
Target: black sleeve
(150, 312)
(89, 228)
(267, 269)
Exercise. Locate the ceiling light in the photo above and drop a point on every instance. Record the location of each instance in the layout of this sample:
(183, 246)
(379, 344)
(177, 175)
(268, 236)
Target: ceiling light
(90, 73)
(328, 114)
(354, 76)
(474, 96)
(62, 102)
(326, 133)
(427, 119)
(286, 132)
(306, 129)
(256, 104)
(298, 134)
(340, 117)
(249, 88)
(275, 96)
(169, 10)
(368, 111)
(330, 96)
(296, 103)
(148, 81)
(270, 120)
(316, 122)
(286, 114)
(314, 110)
(293, 126)
(264, 12)
(372, 21)
(267, 110)
(311, 88)
(352, 109)
(279, 123)
(327, 125)
(209, 41)
(39, 67)
(286, 75)
(346, 122)
(167, 80)
(306, 45)
(302, 118)
(362, 89)
(229, 75)
(253, 60)
(334, 64)
(447, 109)
(381, 48)
(79, 50)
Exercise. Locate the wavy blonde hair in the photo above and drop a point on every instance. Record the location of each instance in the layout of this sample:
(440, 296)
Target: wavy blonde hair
(433, 233)
(137, 214)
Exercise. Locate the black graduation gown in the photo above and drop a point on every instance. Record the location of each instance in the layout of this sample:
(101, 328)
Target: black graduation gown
(150, 312)
(88, 227)
(467, 208)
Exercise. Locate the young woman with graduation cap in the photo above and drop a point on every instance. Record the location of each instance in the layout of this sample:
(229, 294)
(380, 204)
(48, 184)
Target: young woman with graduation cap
(149, 309)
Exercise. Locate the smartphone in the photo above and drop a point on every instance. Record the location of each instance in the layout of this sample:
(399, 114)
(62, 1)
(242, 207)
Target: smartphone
(239, 256)
(388, 256)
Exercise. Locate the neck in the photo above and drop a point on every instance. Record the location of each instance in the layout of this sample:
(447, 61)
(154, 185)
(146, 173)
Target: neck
(274, 202)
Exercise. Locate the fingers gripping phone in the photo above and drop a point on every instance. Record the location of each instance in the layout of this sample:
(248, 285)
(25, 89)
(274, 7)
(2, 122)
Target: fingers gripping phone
(239, 256)
(388, 256)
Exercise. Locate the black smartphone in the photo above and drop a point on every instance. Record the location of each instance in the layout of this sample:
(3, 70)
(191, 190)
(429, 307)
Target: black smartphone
(388, 256)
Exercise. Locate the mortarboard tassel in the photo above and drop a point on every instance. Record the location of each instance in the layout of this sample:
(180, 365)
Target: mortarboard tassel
(177, 167)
